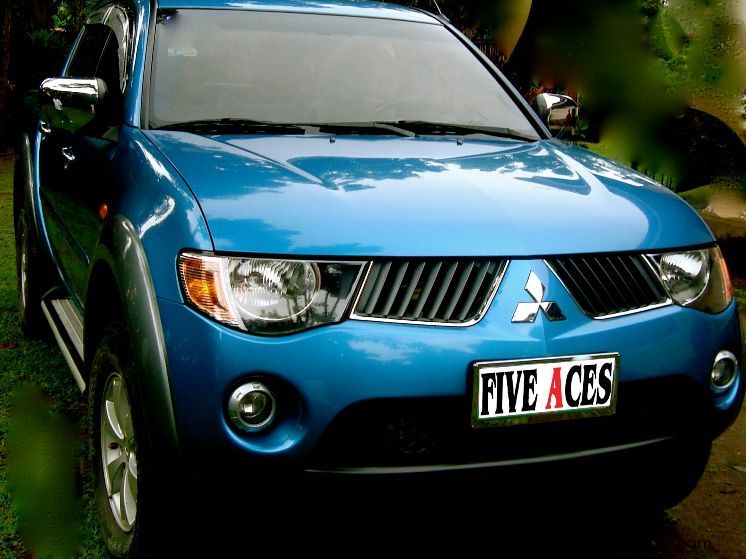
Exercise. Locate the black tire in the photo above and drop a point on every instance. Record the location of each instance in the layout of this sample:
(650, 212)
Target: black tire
(665, 477)
(30, 276)
(133, 532)
(680, 470)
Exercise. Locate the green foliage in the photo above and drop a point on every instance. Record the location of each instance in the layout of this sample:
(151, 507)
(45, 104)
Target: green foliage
(32, 370)
(65, 16)
(676, 39)
(47, 39)
(638, 65)
(71, 14)
(651, 8)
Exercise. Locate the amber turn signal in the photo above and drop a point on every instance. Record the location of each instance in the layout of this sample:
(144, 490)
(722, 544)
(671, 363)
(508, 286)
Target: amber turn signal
(202, 281)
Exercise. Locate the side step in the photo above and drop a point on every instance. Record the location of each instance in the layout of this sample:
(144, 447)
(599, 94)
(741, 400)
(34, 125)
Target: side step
(67, 327)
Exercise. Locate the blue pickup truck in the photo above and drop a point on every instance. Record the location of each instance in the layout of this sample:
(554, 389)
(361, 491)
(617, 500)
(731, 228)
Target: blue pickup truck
(331, 238)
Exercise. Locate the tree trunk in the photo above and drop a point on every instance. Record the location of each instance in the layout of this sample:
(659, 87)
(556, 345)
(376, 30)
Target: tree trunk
(79, 10)
(6, 14)
(40, 14)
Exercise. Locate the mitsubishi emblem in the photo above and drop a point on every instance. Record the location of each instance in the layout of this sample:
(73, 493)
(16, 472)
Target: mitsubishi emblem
(527, 312)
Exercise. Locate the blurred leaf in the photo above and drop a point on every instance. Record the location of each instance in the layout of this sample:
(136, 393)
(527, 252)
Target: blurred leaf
(674, 34)
(41, 474)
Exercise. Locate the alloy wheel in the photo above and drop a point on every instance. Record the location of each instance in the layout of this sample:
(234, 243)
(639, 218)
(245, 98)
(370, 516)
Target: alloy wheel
(119, 452)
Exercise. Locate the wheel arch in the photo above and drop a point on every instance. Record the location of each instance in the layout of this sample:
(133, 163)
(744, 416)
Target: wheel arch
(120, 287)
(23, 183)
(103, 304)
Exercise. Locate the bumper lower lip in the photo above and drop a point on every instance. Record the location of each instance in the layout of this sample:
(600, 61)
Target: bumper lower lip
(404, 470)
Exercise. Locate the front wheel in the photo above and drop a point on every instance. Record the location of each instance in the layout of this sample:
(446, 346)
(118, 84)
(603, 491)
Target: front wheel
(663, 478)
(124, 475)
(118, 451)
(679, 471)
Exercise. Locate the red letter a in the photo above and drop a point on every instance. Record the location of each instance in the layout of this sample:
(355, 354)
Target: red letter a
(555, 390)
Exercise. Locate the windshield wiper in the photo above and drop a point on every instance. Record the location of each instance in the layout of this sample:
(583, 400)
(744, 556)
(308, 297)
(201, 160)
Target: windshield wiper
(421, 127)
(235, 125)
(362, 128)
(408, 128)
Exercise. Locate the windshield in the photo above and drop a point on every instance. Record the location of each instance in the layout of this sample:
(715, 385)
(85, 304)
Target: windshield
(311, 69)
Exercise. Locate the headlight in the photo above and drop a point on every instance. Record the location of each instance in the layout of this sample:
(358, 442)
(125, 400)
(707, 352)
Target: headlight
(696, 278)
(268, 296)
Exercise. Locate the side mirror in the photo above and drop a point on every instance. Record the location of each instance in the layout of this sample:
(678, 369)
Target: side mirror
(71, 103)
(557, 111)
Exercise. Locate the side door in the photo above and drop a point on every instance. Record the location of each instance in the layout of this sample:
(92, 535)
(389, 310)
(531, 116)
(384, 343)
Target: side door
(79, 142)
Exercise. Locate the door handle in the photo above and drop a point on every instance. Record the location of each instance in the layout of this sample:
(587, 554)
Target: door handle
(67, 153)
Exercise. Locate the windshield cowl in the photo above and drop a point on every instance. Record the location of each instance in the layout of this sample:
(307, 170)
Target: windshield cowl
(404, 128)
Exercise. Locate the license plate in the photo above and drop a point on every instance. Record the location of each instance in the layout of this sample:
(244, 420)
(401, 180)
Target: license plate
(536, 390)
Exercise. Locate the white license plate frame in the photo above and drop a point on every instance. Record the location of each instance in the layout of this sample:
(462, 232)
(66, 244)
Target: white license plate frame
(584, 372)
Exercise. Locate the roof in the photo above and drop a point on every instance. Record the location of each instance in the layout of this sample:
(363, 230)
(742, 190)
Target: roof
(331, 7)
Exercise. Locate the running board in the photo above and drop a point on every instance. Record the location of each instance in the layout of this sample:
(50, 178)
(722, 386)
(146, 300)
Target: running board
(67, 327)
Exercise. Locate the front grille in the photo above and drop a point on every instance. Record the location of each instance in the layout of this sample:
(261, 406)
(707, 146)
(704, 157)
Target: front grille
(432, 431)
(611, 284)
(452, 292)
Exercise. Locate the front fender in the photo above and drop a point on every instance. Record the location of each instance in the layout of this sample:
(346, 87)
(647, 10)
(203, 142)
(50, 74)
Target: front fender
(120, 251)
(134, 262)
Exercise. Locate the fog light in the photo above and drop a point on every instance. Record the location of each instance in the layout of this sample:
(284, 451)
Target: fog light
(723, 370)
(252, 407)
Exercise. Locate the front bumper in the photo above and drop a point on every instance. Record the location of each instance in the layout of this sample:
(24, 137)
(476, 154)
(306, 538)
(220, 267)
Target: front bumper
(342, 386)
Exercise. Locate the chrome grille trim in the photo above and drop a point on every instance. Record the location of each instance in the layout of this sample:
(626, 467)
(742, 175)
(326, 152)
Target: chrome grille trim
(453, 292)
(612, 285)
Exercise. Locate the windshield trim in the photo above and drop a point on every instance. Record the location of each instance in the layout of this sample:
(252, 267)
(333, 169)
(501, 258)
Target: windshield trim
(509, 88)
(365, 9)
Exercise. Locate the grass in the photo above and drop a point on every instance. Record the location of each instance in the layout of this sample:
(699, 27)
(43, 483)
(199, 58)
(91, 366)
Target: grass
(42, 429)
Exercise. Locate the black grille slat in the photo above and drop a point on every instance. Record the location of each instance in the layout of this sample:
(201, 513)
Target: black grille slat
(584, 288)
(471, 297)
(444, 285)
(368, 287)
(425, 293)
(603, 280)
(634, 281)
(459, 291)
(627, 294)
(609, 285)
(654, 290)
(394, 291)
(452, 291)
(598, 304)
(378, 287)
(407, 298)
(572, 285)
(494, 272)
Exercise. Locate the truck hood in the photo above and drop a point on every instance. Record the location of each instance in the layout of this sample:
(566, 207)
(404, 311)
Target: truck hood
(380, 195)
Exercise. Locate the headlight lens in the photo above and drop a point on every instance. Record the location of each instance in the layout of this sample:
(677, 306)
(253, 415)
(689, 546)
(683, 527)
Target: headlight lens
(267, 296)
(697, 279)
(272, 290)
(685, 274)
